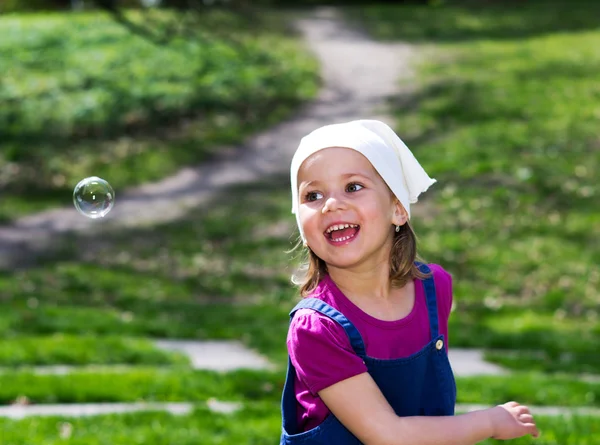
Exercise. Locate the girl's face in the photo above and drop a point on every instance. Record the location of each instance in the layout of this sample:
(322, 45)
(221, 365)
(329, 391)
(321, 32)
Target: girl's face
(346, 210)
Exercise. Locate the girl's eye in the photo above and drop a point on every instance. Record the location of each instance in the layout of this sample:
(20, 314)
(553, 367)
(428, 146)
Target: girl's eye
(353, 187)
(313, 196)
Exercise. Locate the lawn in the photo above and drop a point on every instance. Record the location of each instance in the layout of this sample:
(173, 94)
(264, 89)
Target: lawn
(257, 424)
(506, 119)
(503, 116)
(232, 283)
(83, 96)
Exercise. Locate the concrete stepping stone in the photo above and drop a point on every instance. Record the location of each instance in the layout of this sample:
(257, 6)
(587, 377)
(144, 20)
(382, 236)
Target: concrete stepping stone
(217, 355)
(471, 362)
(92, 409)
(19, 411)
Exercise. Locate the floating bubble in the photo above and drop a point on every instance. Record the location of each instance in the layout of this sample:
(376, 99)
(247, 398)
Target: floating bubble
(93, 197)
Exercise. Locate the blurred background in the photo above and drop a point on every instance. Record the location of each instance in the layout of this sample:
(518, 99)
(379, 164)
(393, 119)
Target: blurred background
(502, 107)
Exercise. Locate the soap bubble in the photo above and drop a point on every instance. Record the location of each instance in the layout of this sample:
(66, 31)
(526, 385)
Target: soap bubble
(93, 197)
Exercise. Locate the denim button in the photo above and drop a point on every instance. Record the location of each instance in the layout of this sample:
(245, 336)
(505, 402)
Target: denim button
(439, 344)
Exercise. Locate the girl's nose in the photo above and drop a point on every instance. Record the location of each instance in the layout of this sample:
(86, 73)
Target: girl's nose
(332, 204)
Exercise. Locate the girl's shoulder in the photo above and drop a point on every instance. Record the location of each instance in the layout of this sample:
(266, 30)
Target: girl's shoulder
(311, 332)
(308, 325)
(320, 351)
(310, 322)
(439, 273)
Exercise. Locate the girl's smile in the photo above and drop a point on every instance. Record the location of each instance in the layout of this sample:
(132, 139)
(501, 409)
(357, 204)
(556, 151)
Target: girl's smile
(341, 233)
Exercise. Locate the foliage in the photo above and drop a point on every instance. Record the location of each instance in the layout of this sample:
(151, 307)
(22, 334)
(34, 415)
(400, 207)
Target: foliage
(82, 96)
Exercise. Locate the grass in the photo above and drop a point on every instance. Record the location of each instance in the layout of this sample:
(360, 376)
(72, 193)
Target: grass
(506, 123)
(468, 21)
(95, 99)
(83, 350)
(258, 423)
(504, 117)
(180, 384)
(156, 282)
(229, 283)
(141, 383)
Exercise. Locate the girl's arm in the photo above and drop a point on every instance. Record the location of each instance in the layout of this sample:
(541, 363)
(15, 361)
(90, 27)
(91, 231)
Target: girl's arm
(360, 406)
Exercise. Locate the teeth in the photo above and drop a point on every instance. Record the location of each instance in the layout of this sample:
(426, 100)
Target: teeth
(340, 227)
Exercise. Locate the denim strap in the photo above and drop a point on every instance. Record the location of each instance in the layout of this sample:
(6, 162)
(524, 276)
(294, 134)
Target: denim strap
(429, 286)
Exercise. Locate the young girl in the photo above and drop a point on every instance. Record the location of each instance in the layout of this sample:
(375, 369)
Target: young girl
(368, 342)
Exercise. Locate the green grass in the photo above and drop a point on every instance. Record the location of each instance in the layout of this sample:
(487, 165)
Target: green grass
(448, 21)
(83, 96)
(531, 388)
(257, 424)
(514, 150)
(564, 430)
(504, 117)
(180, 384)
(548, 342)
(83, 350)
(536, 360)
(141, 383)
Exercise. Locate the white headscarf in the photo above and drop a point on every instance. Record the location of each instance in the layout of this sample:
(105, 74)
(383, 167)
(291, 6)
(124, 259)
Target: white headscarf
(390, 157)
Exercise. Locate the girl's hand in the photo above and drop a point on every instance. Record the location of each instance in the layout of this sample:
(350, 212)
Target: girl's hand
(512, 420)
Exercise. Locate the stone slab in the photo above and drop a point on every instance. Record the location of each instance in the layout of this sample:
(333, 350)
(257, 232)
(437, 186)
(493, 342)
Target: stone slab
(217, 355)
(471, 362)
(92, 409)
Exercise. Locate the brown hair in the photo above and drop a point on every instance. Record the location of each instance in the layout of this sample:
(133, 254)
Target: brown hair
(402, 263)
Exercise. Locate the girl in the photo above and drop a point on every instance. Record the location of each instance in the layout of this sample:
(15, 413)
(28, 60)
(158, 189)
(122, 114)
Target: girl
(368, 344)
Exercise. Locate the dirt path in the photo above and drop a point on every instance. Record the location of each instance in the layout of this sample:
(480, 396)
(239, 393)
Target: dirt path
(358, 75)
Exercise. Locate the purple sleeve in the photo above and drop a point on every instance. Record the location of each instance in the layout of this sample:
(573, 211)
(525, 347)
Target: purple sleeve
(320, 351)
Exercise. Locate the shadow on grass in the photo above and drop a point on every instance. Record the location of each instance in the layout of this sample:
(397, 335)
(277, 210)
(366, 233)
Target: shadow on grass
(463, 20)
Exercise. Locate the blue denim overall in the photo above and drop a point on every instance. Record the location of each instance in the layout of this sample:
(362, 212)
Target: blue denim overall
(419, 385)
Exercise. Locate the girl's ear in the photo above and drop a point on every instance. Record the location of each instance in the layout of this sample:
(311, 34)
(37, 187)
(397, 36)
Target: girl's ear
(400, 215)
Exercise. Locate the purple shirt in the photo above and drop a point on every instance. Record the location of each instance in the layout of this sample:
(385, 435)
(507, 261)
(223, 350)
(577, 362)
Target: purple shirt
(320, 349)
